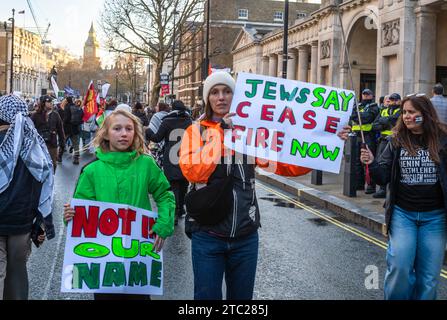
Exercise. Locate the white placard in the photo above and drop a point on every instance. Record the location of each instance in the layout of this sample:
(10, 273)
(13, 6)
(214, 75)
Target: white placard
(289, 121)
(109, 250)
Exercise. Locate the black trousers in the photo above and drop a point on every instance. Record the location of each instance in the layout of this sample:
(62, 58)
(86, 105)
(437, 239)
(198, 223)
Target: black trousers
(179, 188)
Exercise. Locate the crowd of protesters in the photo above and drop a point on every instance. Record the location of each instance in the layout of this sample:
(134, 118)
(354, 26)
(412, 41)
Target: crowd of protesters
(169, 146)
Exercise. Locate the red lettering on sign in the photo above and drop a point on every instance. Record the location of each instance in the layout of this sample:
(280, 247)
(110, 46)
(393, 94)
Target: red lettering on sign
(82, 223)
(240, 107)
(287, 114)
(331, 124)
(127, 217)
(266, 114)
(108, 222)
(308, 116)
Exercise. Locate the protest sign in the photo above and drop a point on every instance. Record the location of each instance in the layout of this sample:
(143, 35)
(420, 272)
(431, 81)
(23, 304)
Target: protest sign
(289, 121)
(109, 250)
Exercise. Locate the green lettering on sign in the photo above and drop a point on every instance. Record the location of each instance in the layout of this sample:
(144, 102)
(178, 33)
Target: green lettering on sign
(297, 147)
(285, 95)
(156, 273)
(114, 275)
(137, 274)
(91, 250)
(254, 87)
(303, 95)
(346, 100)
(314, 150)
(119, 251)
(146, 249)
(268, 92)
(332, 155)
(317, 94)
(332, 99)
(82, 273)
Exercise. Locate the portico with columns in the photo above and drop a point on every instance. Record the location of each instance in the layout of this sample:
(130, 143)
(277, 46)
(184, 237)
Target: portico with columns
(393, 45)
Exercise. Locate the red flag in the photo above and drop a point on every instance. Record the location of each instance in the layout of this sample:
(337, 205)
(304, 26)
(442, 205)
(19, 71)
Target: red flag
(90, 105)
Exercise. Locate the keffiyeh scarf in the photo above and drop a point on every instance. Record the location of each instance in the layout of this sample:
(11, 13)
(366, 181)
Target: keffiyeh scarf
(23, 140)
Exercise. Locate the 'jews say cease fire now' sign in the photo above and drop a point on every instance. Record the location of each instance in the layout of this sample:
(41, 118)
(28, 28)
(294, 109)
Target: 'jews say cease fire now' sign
(289, 121)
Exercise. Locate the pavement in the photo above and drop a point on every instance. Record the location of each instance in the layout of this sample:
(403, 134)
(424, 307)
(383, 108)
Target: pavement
(363, 209)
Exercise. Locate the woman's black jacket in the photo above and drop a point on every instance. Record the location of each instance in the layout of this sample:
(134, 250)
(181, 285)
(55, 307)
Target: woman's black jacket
(386, 171)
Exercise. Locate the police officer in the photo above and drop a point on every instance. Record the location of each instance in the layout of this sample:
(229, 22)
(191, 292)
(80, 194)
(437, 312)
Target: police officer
(384, 123)
(368, 110)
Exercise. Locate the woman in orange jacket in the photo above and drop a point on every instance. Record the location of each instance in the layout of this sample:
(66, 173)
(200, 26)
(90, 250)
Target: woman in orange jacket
(229, 246)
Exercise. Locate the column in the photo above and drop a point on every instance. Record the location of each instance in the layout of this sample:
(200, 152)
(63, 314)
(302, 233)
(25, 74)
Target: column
(265, 65)
(291, 64)
(425, 62)
(279, 71)
(273, 65)
(314, 62)
(303, 62)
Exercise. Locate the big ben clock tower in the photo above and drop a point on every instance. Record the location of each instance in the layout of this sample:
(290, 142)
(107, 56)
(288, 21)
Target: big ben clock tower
(91, 49)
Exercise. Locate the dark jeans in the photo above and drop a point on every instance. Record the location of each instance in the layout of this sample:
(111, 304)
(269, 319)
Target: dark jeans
(179, 188)
(212, 257)
(53, 155)
(380, 147)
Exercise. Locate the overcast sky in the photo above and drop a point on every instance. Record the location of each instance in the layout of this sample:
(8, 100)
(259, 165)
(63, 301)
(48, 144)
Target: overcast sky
(70, 21)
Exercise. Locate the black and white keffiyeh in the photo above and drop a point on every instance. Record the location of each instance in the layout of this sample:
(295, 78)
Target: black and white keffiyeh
(23, 140)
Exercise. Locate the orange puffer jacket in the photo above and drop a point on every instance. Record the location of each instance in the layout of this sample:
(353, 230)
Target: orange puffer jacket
(202, 160)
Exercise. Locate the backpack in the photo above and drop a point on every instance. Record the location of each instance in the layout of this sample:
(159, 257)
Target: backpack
(76, 115)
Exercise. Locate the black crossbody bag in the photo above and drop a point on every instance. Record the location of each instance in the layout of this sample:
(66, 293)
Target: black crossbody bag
(210, 204)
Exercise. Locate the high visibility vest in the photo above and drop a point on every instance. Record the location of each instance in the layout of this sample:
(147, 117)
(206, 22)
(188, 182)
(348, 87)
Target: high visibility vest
(363, 127)
(385, 113)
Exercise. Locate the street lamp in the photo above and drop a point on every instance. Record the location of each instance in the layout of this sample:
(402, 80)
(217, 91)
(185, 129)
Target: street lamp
(173, 52)
(116, 86)
(135, 80)
(207, 43)
(285, 40)
(12, 50)
(12, 47)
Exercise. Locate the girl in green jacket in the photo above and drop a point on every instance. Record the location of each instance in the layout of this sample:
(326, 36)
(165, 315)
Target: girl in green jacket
(123, 174)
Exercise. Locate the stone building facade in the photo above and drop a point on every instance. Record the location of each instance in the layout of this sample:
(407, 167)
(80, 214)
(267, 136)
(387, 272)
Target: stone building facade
(29, 67)
(393, 45)
(227, 17)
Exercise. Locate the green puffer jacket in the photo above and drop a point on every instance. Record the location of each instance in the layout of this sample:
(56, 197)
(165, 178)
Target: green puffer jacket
(125, 177)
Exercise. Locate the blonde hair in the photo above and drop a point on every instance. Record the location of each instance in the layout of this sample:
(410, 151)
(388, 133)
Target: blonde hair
(138, 139)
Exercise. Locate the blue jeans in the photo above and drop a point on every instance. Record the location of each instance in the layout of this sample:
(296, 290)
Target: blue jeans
(415, 254)
(212, 257)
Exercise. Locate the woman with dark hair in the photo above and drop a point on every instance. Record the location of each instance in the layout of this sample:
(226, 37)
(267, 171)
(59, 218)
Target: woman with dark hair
(413, 166)
(49, 125)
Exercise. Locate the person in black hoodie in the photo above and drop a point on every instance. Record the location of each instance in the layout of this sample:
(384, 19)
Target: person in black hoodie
(26, 194)
(171, 131)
